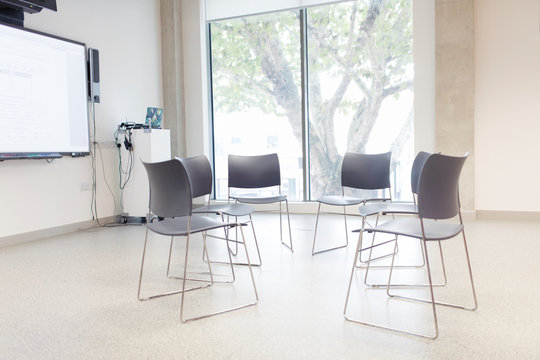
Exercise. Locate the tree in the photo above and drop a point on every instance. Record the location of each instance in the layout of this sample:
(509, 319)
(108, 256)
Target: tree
(366, 48)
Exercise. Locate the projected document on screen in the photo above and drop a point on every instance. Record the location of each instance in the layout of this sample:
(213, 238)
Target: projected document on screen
(43, 93)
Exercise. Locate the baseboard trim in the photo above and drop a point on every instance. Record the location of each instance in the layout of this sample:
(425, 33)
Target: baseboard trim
(469, 215)
(308, 207)
(54, 231)
(507, 215)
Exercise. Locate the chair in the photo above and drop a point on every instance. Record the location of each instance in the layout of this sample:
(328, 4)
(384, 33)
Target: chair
(171, 201)
(391, 208)
(200, 175)
(438, 200)
(410, 208)
(259, 171)
(358, 171)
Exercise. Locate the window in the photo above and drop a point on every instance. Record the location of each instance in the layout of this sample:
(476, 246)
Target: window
(256, 94)
(359, 78)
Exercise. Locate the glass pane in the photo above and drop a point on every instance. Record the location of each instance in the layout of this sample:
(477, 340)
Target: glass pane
(360, 89)
(256, 95)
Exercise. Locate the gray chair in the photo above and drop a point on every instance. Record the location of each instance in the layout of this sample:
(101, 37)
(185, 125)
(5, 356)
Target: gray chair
(438, 201)
(391, 208)
(170, 214)
(200, 174)
(358, 171)
(255, 172)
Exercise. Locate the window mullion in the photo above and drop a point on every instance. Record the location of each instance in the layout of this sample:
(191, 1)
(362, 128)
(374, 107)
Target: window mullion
(305, 102)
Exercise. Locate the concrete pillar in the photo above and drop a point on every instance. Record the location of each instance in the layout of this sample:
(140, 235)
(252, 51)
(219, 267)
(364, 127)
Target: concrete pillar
(454, 82)
(173, 74)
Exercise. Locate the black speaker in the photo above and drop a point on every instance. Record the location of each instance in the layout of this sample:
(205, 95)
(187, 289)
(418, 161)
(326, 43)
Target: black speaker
(93, 72)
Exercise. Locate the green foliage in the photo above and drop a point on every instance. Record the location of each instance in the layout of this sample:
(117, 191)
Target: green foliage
(237, 75)
(339, 43)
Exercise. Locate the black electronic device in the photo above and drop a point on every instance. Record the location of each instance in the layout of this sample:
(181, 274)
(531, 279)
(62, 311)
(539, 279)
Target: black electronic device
(43, 95)
(30, 6)
(93, 76)
(36, 156)
(12, 11)
(11, 16)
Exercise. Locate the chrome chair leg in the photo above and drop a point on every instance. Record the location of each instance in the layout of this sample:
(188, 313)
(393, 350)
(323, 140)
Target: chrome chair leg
(368, 263)
(231, 252)
(290, 245)
(256, 242)
(422, 247)
(357, 264)
(354, 320)
(256, 245)
(469, 267)
(456, 306)
(358, 246)
(345, 221)
(235, 252)
(434, 311)
(204, 257)
(225, 310)
(316, 225)
(313, 252)
(141, 298)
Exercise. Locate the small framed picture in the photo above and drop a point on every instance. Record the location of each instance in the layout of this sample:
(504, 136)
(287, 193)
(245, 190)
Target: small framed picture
(154, 117)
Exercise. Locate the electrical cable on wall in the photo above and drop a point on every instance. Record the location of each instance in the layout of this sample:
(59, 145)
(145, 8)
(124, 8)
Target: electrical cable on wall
(124, 174)
(93, 204)
(105, 178)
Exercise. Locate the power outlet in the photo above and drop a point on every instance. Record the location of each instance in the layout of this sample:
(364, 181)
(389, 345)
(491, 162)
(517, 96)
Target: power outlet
(85, 186)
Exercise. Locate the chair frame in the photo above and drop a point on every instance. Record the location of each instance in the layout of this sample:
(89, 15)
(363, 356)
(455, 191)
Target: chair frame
(176, 168)
(203, 187)
(348, 181)
(274, 180)
(424, 238)
(396, 209)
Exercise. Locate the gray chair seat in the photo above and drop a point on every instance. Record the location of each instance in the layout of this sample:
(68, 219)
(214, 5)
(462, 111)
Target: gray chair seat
(226, 209)
(179, 226)
(260, 200)
(433, 230)
(338, 200)
(388, 208)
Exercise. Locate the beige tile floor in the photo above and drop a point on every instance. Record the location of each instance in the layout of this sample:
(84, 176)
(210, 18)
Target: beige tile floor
(74, 297)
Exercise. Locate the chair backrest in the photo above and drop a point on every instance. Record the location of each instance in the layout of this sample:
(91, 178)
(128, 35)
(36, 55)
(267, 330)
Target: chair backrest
(366, 171)
(170, 189)
(200, 174)
(417, 166)
(256, 171)
(438, 196)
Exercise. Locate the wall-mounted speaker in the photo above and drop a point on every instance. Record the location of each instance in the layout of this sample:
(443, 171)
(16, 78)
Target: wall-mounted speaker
(93, 73)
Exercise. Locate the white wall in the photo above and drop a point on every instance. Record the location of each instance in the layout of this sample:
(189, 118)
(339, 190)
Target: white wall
(36, 195)
(507, 105)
